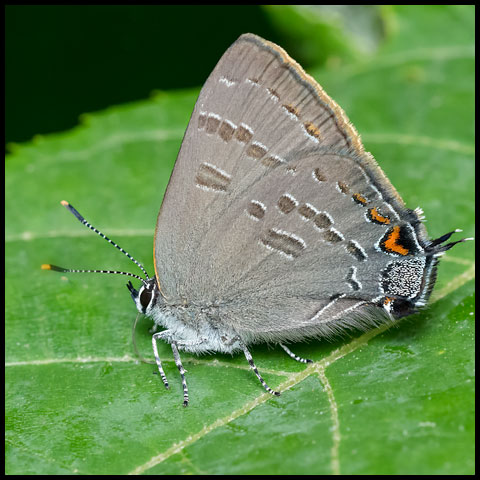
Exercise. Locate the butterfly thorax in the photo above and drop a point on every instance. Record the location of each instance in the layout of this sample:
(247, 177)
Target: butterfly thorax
(195, 328)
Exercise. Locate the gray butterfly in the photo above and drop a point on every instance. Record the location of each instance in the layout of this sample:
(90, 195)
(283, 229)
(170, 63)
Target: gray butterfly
(276, 224)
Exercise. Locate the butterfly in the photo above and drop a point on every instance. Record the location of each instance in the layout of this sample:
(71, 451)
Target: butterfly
(276, 225)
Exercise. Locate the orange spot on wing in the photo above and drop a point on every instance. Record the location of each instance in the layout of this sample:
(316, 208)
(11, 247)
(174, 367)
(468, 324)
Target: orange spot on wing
(359, 198)
(312, 130)
(376, 217)
(391, 242)
(291, 109)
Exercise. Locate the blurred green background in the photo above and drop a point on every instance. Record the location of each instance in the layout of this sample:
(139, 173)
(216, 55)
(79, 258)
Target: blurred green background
(126, 79)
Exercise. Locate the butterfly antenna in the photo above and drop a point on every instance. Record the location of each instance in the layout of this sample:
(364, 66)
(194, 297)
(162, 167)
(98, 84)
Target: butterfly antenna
(55, 268)
(72, 210)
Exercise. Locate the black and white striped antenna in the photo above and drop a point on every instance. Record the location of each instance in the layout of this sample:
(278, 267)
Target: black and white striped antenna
(91, 227)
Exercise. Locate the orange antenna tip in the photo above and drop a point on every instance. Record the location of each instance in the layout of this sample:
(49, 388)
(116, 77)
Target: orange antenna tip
(64, 203)
(46, 266)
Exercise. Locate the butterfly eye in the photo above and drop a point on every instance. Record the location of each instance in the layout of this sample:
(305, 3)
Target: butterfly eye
(145, 298)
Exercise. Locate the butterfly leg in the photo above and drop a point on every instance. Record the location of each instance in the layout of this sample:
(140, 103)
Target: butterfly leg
(153, 329)
(182, 371)
(295, 357)
(155, 337)
(249, 358)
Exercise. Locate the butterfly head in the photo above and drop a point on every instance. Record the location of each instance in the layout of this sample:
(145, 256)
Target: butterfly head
(146, 296)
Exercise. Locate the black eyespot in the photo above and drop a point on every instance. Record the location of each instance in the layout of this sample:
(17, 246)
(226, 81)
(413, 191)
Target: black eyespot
(145, 298)
(403, 307)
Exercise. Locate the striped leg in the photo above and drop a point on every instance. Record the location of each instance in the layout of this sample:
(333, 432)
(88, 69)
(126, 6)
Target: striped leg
(295, 357)
(155, 337)
(254, 368)
(182, 371)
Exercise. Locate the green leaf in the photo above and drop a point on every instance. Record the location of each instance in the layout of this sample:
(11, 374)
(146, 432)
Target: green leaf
(386, 402)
